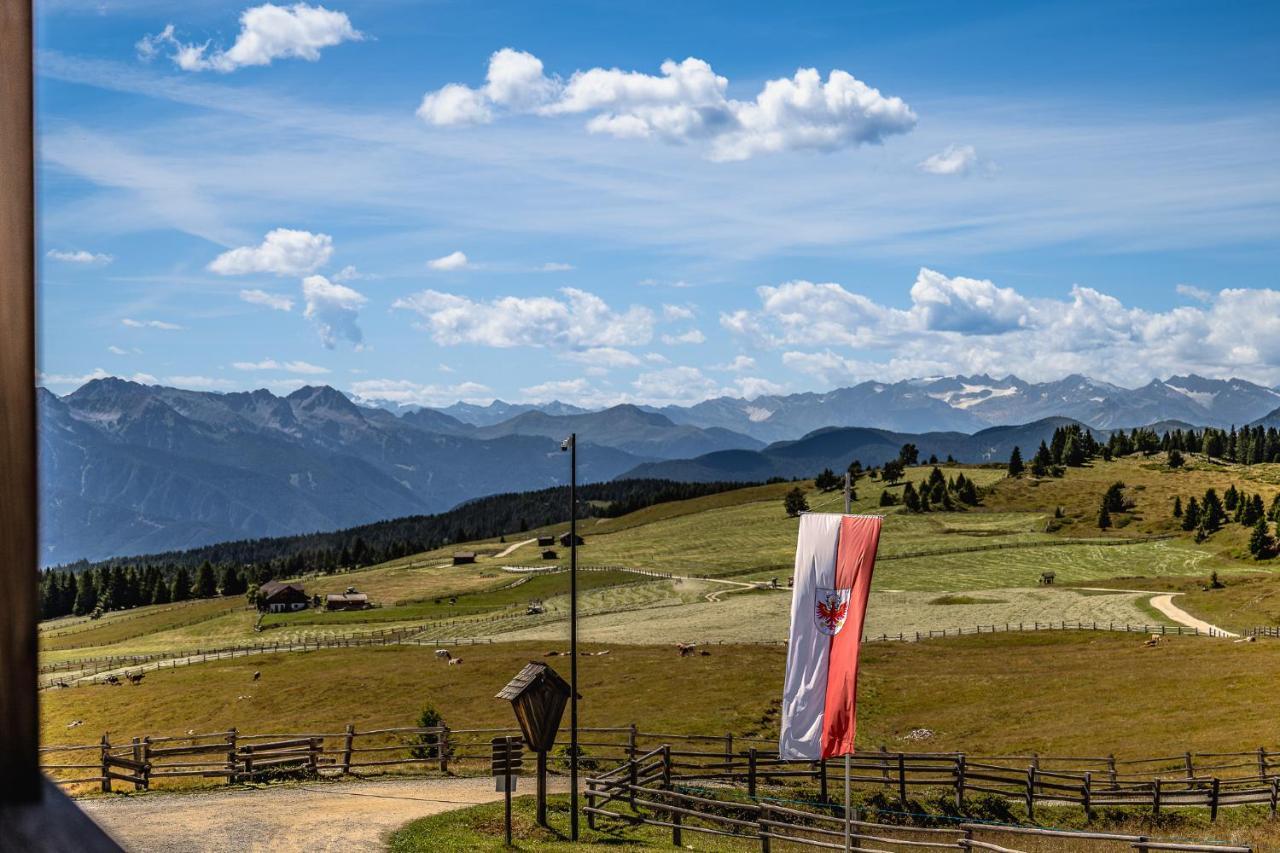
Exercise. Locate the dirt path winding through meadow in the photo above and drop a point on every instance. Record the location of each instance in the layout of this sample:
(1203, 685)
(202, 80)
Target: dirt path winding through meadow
(316, 817)
(1164, 603)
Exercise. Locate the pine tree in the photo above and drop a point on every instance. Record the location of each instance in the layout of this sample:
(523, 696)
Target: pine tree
(86, 594)
(1114, 497)
(1104, 516)
(910, 498)
(827, 481)
(795, 502)
(1260, 540)
(181, 587)
(1043, 461)
(206, 584)
(160, 592)
(908, 455)
(1191, 518)
(1015, 462)
(1177, 507)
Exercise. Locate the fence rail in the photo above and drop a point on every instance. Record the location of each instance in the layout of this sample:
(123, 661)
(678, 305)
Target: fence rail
(1189, 779)
(650, 789)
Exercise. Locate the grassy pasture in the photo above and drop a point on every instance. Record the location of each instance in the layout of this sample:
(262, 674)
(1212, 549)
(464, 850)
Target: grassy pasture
(1076, 694)
(505, 591)
(139, 622)
(765, 616)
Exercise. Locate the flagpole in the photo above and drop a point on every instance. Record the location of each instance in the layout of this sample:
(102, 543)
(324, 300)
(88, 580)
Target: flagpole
(848, 827)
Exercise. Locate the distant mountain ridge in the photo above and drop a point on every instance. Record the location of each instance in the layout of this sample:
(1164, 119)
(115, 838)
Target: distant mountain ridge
(971, 403)
(836, 447)
(131, 468)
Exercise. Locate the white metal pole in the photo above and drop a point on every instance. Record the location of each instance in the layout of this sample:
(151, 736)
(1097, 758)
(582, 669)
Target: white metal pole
(848, 826)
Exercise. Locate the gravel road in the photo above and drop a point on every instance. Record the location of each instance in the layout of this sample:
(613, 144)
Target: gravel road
(316, 817)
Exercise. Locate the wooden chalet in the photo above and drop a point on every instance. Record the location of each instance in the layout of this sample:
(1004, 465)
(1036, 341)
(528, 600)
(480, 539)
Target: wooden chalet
(463, 557)
(349, 600)
(546, 541)
(280, 597)
(564, 539)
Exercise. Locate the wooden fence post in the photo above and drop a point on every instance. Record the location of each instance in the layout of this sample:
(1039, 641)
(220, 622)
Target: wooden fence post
(728, 750)
(631, 742)
(347, 744)
(751, 773)
(902, 778)
(137, 757)
(1155, 798)
(1186, 760)
(1087, 796)
(960, 762)
(1275, 796)
(232, 737)
(822, 779)
(313, 755)
(444, 749)
(1213, 800)
(762, 830)
(248, 762)
(1111, 769)
(146, 761)
(106, 768)
(1262, 762)
(666, 786)
(1031, 793)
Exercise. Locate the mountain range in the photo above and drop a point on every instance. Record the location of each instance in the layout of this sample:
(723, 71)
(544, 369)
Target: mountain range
(130, 468)
(972, 403)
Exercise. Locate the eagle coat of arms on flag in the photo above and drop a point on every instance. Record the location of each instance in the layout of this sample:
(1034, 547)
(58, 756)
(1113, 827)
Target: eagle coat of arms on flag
(830, 609)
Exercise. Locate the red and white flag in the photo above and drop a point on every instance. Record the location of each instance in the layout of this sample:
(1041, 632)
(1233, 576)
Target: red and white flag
(835, 556)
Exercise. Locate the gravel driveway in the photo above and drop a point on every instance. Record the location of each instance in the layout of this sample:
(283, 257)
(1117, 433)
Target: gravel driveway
(313, 817)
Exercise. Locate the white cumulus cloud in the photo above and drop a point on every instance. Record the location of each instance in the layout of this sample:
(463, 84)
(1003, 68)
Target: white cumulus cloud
(162, 325)
(271, 300)
(692, 336)
(267, 32)
(686, 102)
(966, 325)
(284, 252)
(408, 393)
(449, 262)
(953, 160)
(578, 320)
(335, 310)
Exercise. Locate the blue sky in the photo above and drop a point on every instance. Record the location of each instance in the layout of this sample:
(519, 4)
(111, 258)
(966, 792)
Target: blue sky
(602, 203)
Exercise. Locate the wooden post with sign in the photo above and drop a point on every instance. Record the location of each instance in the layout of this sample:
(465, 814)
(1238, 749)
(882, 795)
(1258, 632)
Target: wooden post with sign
(508, 756)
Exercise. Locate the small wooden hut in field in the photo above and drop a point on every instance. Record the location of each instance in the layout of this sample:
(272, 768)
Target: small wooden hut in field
(546, 541)
(463, 557)
(564, 539)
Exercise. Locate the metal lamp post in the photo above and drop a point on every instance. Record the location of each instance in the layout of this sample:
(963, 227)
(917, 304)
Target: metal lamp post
(571, 444)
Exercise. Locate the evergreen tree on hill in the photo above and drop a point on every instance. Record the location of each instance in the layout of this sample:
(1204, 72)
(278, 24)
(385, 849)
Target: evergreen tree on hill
(206, 584)
(1260, 543)
(1015, 462)
(795, 502)
(180, 590)
(1104, 516)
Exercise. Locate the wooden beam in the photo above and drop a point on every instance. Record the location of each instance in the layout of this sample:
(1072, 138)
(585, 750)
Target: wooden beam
(19, 725)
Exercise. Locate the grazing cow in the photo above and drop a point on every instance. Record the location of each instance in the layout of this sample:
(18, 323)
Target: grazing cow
(685, 649)
(257, 675)
(113, 680)
(74, 723)
(1153, 642)
(705, 653)
(62, 684)
(455, 661)
(135, 678)
(443, 654)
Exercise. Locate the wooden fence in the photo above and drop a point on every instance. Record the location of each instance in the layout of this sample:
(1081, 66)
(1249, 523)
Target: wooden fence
(653, 789)
(92, 670)
(1207, 780)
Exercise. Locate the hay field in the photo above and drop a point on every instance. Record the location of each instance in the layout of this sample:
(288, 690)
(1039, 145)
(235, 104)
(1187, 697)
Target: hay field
(765, 616)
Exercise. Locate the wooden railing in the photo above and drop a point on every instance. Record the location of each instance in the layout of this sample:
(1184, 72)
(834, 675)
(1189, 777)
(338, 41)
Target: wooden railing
(651, 789)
